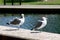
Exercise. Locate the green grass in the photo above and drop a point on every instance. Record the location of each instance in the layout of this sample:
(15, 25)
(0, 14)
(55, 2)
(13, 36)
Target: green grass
(56, 2)
(42, 3)
(1, 2)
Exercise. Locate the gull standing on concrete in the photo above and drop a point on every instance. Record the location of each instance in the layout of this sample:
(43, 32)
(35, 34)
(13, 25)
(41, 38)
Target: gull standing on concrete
(17, 21)
(41, 24)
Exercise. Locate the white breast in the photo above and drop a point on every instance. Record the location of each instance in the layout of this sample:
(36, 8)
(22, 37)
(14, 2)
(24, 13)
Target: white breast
(22, 21)
(44, 23)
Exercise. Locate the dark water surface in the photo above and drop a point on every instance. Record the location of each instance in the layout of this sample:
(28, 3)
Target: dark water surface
(31, 21)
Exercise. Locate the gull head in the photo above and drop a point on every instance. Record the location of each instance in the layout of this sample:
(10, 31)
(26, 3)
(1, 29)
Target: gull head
(44, 18)
(22, 15)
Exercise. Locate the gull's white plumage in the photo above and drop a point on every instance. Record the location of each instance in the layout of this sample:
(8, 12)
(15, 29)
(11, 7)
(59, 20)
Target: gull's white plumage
(44, 23)
(22, 20)
(40, 26)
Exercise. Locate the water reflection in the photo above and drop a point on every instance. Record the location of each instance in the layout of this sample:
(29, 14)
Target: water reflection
(31, 21)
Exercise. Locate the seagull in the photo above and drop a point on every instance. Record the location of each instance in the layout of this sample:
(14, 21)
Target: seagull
(41, 24)
(17, 21)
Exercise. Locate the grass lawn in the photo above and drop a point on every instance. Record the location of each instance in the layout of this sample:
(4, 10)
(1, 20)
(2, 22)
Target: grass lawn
(1, 2)
(55, 2)
(42, 3)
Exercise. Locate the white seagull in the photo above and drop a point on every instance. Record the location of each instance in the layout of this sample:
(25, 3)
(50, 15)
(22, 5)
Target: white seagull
(41, 24)
(17, 21)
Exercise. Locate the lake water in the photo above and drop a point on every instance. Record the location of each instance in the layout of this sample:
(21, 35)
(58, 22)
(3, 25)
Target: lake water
(32, 19)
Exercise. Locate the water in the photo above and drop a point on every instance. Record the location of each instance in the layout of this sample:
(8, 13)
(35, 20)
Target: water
(32, 19)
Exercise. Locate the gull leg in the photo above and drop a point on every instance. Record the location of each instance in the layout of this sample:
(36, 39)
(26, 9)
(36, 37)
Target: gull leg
(36, 31)
(19, 27)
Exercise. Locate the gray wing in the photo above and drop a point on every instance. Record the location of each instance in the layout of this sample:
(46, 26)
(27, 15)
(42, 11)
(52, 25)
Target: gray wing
(15, 22)
(37, 25)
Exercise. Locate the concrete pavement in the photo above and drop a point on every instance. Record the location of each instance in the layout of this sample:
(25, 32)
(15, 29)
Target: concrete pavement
(32, 6)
